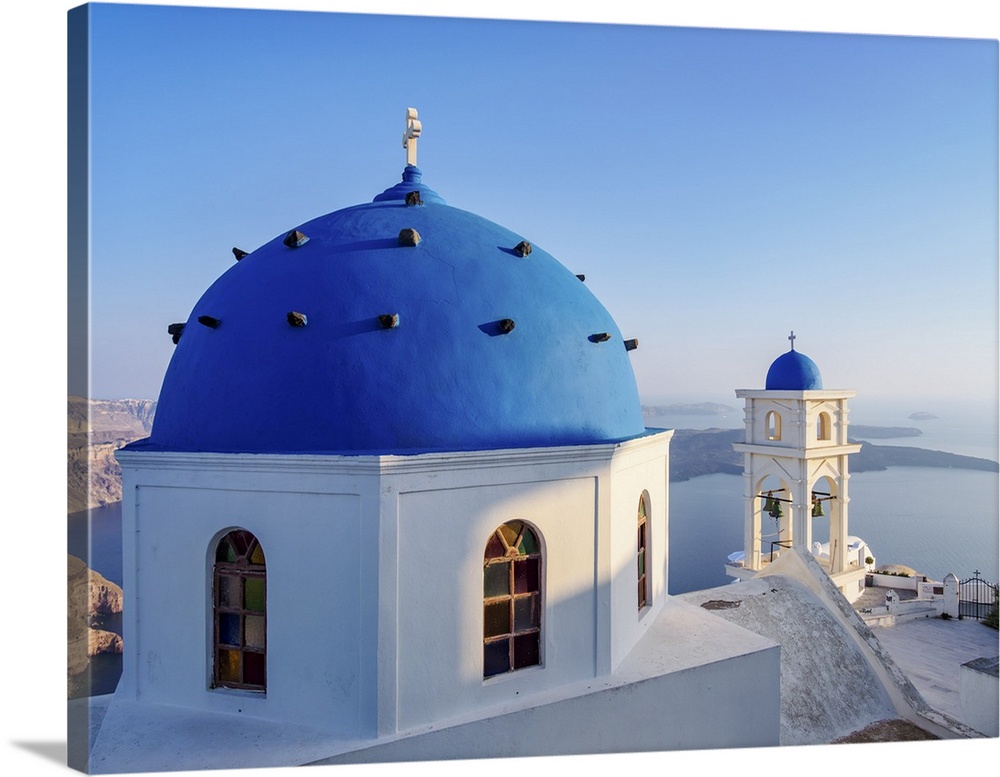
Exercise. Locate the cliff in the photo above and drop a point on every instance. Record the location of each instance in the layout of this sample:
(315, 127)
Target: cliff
(96, 428)
(89, 595)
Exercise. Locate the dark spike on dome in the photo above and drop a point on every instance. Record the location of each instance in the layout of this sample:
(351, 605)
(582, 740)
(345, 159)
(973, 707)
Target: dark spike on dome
(239, 253)
(631, 345)
(600, 337)
(506, 325)
(297, 319)
(523, 248)
(581, 278)
(409, 237)
(389, 320)
(175, 331)
(294, 239)
(413, 198)
(209, 321)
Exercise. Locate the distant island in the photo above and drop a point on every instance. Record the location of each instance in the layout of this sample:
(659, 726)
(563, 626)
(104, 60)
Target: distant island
(695, 452)
(863, 432)
(922, 416)
(687, 408)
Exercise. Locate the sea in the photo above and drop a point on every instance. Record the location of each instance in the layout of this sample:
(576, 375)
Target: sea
(934, 520)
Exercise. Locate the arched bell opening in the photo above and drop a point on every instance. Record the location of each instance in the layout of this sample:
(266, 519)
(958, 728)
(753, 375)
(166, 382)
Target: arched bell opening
(772, 527)
(822, 498)
(829, 523)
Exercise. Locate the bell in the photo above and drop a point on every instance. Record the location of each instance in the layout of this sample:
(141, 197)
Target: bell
(817, 508)
(775, 511)
(769, 504)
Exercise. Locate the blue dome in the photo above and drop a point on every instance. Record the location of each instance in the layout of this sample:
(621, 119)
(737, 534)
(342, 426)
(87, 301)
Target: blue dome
(351, 342)
(793, 371)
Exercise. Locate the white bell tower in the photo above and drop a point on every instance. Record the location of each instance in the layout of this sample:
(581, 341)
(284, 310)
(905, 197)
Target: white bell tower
(795, 468)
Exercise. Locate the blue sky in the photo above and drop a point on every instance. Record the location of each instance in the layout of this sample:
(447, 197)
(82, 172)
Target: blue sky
(682, 190)
(717, 187)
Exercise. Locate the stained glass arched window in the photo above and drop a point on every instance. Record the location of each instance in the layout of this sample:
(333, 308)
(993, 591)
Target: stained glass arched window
(642, 545)
(240, 610)
(512, 600)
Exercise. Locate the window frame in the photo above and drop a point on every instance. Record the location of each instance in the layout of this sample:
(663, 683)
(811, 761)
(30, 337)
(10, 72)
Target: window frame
(249, 564)
(522, 599)
(642, 553)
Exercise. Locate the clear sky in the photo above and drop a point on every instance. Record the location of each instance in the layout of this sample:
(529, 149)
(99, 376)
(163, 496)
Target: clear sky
(718, 188)
(866, 167)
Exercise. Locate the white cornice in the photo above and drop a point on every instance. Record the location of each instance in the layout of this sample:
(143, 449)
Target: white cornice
(784, 394)
(378, 464)
(788, 452)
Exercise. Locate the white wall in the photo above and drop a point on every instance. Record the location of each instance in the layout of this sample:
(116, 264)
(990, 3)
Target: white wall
(704, 707)
(440, 659)
(689, 683)
(638, 469)
(375, 575)
(978, 695)
(319, 551)
(582, 502)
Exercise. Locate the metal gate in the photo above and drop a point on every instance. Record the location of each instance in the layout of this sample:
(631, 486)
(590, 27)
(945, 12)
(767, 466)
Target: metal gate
(976, 597)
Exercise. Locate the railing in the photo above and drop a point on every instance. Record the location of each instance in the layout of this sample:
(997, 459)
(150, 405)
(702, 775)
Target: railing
(780, 544)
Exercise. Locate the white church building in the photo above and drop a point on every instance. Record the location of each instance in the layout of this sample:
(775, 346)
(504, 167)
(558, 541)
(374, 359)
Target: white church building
(399, 483)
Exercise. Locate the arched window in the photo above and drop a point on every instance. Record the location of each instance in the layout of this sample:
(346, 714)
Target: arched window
(772, 422)
(512, 600)
(240, 608)
(642, 542)
(823, 426)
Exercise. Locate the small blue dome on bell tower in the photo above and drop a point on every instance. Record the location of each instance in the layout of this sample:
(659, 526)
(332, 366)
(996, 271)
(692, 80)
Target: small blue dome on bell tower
(793, 371)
